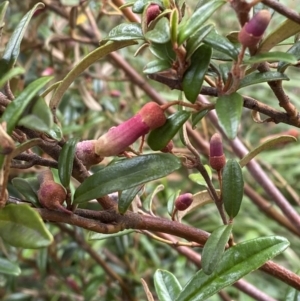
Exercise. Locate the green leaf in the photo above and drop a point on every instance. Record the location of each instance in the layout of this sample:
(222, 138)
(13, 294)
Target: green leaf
(34, 123)
(272, 57)
(282, 65)
(285, 30)
(25, 188)
(292, 294)
(56, 133)
(3, 8)
(167, 286)
(126, 174)
(101, 236)
(171, 201)
(194, 42)
(87, 61)
(229, 111)
(160, 137)
(194, 75)
(197, 117)
(42, 111)
(9, 268)
(65, 161)
(174, 17)
(222, 44)
(198, 178)
(193, 24)
(232, 187)
(266, 145)
(15, 109)
(126, 198)
(147, 203)
(161, 32)
(157, 66)
(139, 5)
(12, 48)
(163, 51)
(257, 78)
(22, 227)
(126, 32)
(214, 248)
(236, 262)
(10, 74)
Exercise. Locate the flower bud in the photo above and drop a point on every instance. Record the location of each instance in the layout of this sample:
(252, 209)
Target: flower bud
(85, 151)
(51, 195)
(253, 31)
(168, 148)
(152, 12)
(118, 138)
(217, 158)
(183, 201)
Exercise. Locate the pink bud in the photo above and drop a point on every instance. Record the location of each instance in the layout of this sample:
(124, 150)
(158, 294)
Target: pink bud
(152, 12)
(253, 31)
(217, 158)
(183, 201)
(85, 151)
(168, 148)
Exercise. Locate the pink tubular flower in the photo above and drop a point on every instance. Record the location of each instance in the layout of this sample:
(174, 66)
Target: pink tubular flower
(119, 138)
(217, 158)
(253, 31)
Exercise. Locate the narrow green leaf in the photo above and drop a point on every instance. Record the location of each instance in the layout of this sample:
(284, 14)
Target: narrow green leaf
(232, 187)
(65, 161)
(42, 111)
(222, 44)
(126, 174)
(237, 262)
(229, 111)
(282, 65)
(194, 75)
(126, 32)
(139, 5)
(21, 226)
(157, 66)
(33, 122)
(12, 48)
(101, 236)
(214, 248)
(266, 145)
(272, 57)
(161, 32)
(194, 23)
(198, 178)
(15, 109)
(9, 268)
(257, 78)
(174, 25)
(194, 42)
(171, 201)
(10, 74)
(163, 51)
(3, 9)
(87, 61)
(126, 198)
(147, 203)
(160, 137)
(285, 30)
(197, 117)
(24, 187)
(56, 132)
(167, 286)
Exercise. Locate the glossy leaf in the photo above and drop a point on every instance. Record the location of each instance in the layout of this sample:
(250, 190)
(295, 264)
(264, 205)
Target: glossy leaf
(16, 108)
(270, 143)
(42, 111)
(236, 262)
(9, 268)
(229, 111)
(65, 161)
(258, 77)
(194, 42)
(167, 286)
(21, 226)
(56, 133)
(294, 50)
(25, 188)
(194, 75)
(214, 248)
(126, 32)
(157, 66)
(160, 137)
(272, 57)
(222, 44)
(12, 48)
(199, 199)
(139, 5)
(193, 24)
(232, 187)
(101, 236)
(126, 174)
(34, 123)
(198, 178)
(174, 25)
(161, 32)
(197, 117)
(285, 30)
(10, 74)
(163, 51)
(126, 198)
